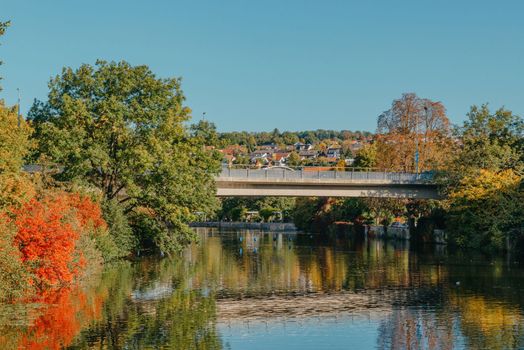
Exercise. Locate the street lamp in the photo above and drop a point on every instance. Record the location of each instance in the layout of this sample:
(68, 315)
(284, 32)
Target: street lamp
(426, 111)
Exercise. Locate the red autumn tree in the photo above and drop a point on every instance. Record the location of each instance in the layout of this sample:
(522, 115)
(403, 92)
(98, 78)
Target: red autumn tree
(46, 239)
(88, 213)
(48, 230)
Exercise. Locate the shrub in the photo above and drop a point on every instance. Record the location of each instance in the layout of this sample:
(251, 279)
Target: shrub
(121, 235)
(15, 189)
(46, 239)
(57, 236)
(305, 213)
(484, 209)
(267, 213)
(168, 237)
(14, 277)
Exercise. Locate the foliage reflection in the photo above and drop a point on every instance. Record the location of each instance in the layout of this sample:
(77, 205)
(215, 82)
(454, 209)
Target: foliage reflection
(426, 298)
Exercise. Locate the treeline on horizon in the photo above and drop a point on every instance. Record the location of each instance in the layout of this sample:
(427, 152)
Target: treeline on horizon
(252, 139)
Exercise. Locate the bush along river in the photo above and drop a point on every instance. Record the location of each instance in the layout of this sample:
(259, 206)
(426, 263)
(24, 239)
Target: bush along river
(275, 290)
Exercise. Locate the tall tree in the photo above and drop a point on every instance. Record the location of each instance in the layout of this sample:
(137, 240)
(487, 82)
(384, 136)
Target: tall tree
(492, 140)
(15, 144)
(120, 128)
(483, 180)
(413, 123)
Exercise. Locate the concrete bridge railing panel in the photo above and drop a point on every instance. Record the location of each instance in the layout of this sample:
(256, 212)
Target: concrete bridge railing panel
(322, 183)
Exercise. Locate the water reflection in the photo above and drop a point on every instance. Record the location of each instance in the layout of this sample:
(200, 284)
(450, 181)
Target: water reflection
(250, 290)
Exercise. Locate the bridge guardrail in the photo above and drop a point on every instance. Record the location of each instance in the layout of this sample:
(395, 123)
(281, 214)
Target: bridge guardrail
(290, 174)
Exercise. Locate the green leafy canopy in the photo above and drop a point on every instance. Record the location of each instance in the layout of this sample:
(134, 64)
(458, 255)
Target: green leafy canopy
(123, 130)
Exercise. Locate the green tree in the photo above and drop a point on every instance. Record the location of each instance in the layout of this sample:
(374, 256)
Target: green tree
(206, 132)
(121, 129)
(234, 208)
(267, 213)
(366, 156)
(15, 144)
(119, 229)
(294, 159)
(348, 209)
(13, 274)
(305, 213)
(383, 210)
(492, 141)
(486, 210)
(241, 160)
(483, 180)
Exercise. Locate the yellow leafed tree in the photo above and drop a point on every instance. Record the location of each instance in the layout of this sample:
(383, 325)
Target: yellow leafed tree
(15, 143)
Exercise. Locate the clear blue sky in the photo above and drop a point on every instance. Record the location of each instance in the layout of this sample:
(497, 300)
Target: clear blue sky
(294, 65)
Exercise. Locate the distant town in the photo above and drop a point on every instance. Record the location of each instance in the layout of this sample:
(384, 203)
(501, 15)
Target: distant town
(305, 148)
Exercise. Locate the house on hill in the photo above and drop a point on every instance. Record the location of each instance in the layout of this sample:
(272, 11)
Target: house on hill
(334, 152)
(299, 146)
(280, 158)
(261, 156)
(311, 154)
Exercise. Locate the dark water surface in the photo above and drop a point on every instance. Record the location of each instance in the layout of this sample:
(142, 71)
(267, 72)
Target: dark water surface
(253, 290)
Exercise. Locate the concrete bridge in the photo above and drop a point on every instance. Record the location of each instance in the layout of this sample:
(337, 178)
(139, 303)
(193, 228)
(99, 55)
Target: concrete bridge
(317, 182)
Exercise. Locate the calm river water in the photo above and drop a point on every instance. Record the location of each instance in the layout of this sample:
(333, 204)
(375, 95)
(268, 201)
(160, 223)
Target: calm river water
(253, 290)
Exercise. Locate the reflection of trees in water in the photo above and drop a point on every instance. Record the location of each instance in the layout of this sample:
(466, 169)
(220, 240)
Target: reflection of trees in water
(473, 313)
(412, 329)
(283, 265)
(418, 284)
(489, 324)
(121, 309)
(55, 324)
(474, 321)
(180, 319)
(55, 318)
(489, 301)
(172, 304)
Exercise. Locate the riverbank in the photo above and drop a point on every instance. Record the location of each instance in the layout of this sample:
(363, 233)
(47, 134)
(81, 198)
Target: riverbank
(264, 226)
(389, 233)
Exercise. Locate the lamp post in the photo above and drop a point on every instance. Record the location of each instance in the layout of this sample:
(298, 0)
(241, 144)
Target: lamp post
(416, 142)
(426, 111)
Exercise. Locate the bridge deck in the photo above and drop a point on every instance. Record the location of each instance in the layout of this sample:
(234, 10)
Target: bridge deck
(283, 182)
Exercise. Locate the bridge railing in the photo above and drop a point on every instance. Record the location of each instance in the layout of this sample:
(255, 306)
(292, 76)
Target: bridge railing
(322, 174)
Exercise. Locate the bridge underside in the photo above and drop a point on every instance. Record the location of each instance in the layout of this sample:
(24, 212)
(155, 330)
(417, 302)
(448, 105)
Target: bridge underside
(325, 189)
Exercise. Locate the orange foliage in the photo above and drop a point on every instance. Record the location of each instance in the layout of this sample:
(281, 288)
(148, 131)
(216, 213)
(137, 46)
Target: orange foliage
(47, 232)
(45, 238)
(413, 123)
(87, 211)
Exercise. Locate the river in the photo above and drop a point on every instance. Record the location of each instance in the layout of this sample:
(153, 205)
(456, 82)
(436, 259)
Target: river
(263, 290)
